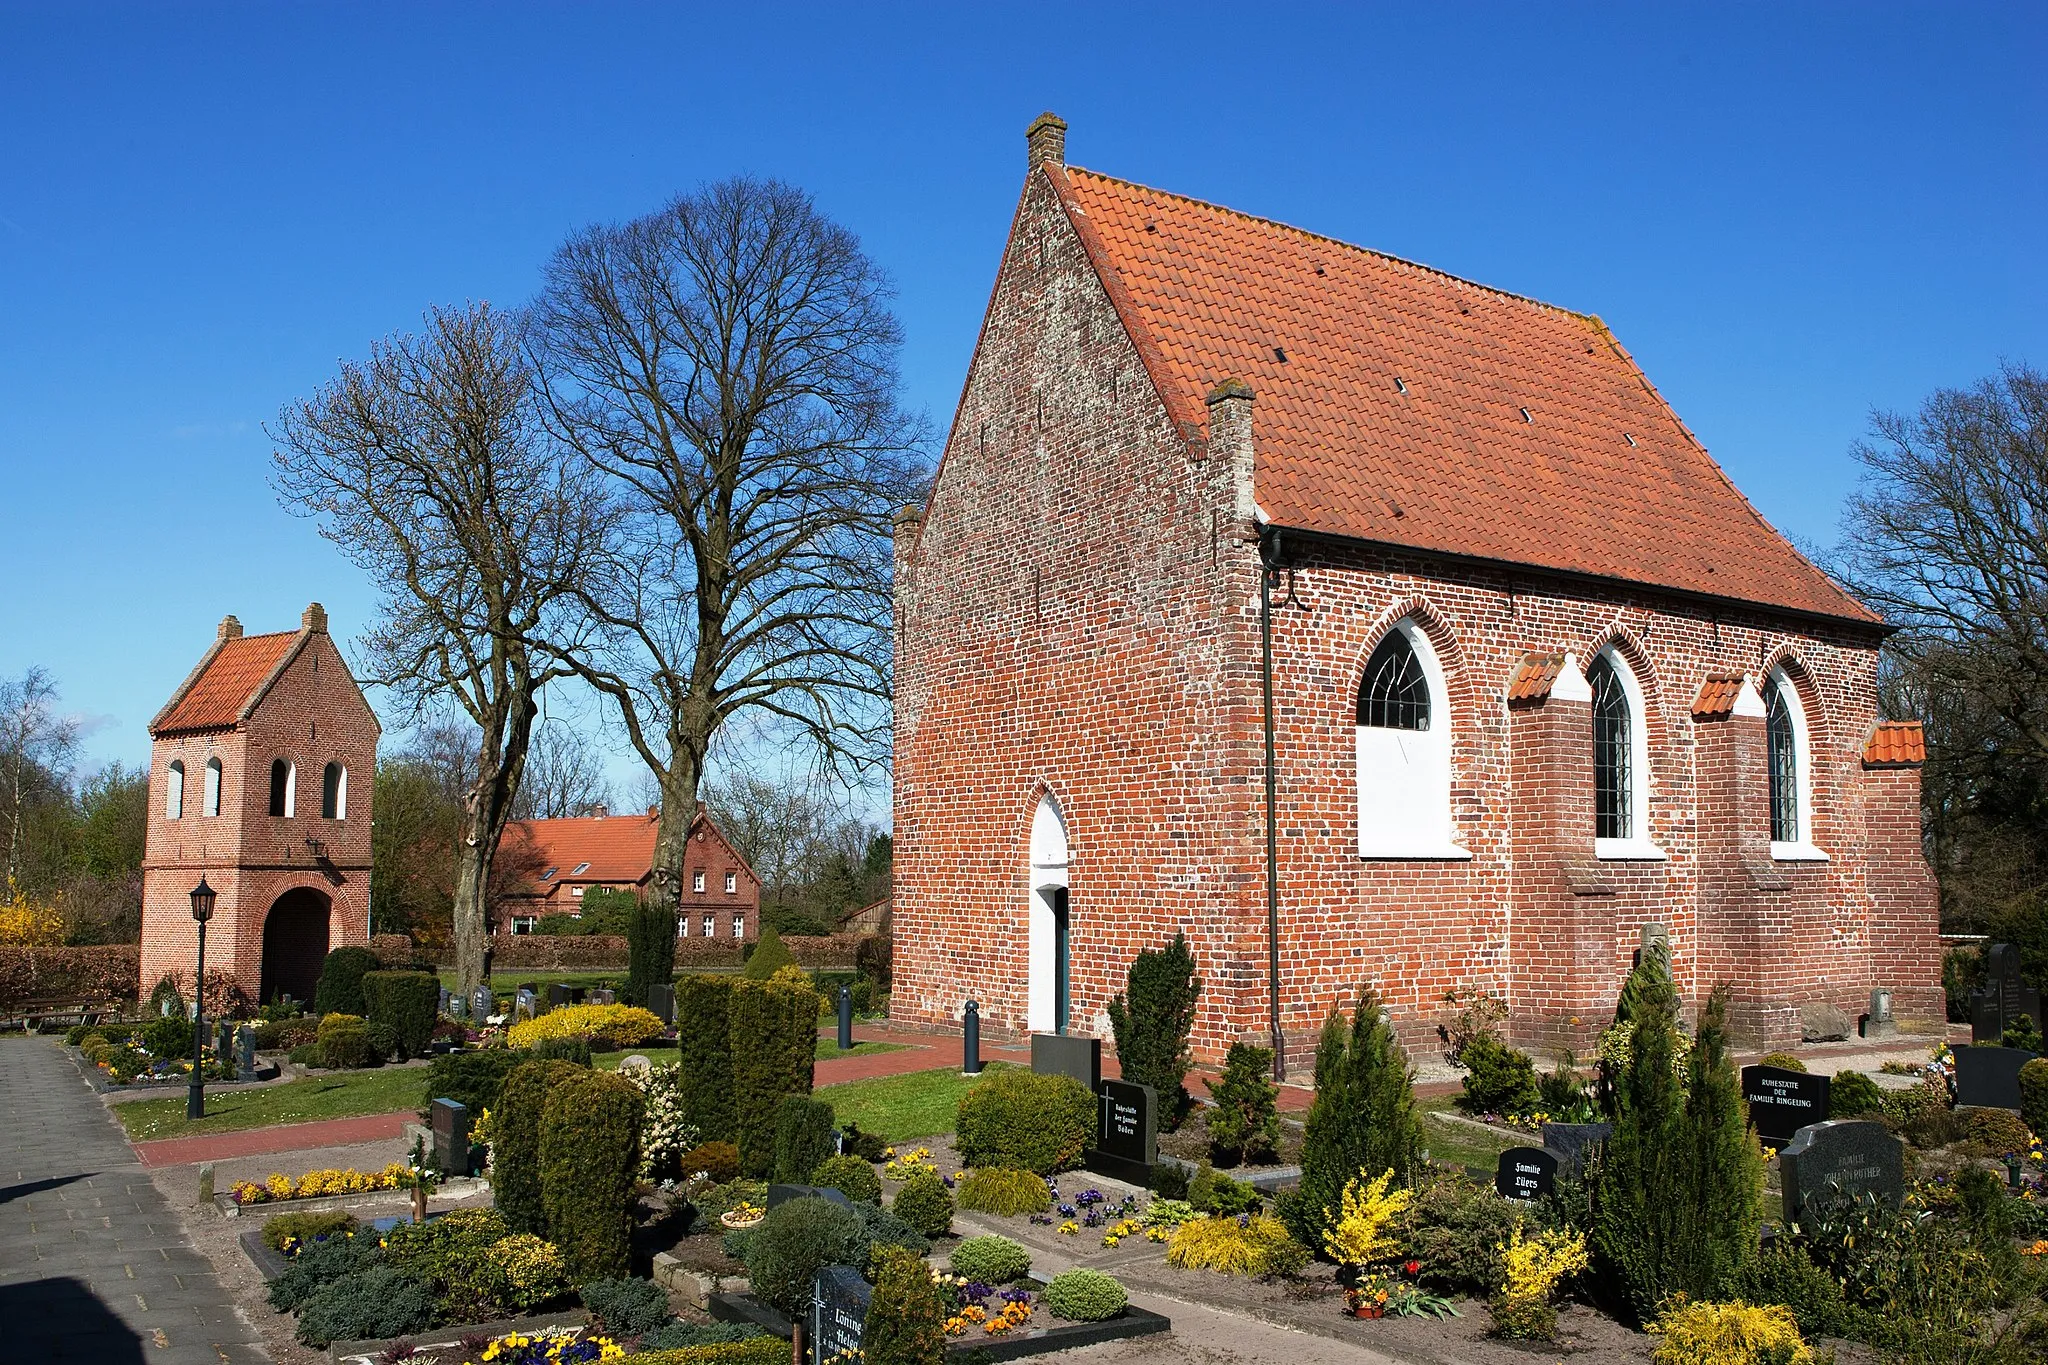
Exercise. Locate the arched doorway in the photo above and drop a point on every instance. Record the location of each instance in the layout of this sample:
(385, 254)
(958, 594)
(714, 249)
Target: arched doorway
(1047, 1002)
(294, 945)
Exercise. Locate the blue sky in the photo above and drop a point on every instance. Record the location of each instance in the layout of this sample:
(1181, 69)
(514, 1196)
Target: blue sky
(1790, 215)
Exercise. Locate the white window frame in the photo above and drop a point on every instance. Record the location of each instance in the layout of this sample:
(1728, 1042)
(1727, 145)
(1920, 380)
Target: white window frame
(174, 790)
(1408, 815)
(732, 883)
(525, 924)
(711, 926)
(1802, 849)
(1637, 846)
(739, 926)
(697, 882)
(682, 926)
(209, 795)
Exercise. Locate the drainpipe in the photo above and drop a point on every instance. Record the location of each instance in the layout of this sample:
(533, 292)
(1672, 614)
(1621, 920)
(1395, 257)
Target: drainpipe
(1269, 555)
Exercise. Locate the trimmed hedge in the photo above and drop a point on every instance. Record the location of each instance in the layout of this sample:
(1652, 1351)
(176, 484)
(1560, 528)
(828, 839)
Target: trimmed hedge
(991, 1258)
(408, 1003)
(341, 981)
(515, 1141)
(758, 1351)
(607, 1027)
(344, 1041)
(778, 1026)
(650, 950)
(471, 1079)
(803, 1137)
(849, 1175)
(1080, 1295)
(1019, 1118)
(589, 1159)
(704, 1045)
(109, 972)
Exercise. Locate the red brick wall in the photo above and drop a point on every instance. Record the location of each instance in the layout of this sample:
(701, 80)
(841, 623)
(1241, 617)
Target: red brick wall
(313, 714)
(1075, 613)
(712, 856)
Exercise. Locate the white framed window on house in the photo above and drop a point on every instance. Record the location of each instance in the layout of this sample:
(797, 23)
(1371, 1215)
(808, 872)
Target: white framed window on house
(697, 882)
(209, 792)
(739, 926)
(732, 883)
(174, 791)
(682, 926)
(1790, 760)
(1404, 751)
(710, 927)
(523, 924)
(1621, 760)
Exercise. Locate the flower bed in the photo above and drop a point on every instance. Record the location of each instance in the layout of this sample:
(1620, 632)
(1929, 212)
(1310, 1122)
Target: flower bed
(320, 1184)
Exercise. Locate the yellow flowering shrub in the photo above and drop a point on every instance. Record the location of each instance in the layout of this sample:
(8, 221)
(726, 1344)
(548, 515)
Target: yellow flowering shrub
(608, 1027)
(1357, 1235)
(1729, 1334)
(1531, 1269)
(26, 924)
(323, 1183)
(1249, 1244)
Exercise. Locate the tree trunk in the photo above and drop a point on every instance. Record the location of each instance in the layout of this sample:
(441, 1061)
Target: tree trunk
(679, 783)
(487, 807)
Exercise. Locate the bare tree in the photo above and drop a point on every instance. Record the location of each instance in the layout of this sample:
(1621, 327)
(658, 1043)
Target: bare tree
(430, 466)
(35, 739)
(729, 365)
(564, 776)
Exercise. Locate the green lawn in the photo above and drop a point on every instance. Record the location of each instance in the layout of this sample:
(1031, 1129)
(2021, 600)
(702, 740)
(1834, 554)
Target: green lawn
(345, 1094)
(1461, 1143)
(899, 1108)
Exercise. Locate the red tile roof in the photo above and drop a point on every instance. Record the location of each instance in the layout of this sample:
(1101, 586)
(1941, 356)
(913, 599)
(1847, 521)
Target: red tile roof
(1717, 695)
(619, 848)
(214, 699)
(1418, 409)
(1534, 676)
(1895, 742)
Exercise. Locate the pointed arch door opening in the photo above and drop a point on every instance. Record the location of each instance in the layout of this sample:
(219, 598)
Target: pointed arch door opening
(1048, 998)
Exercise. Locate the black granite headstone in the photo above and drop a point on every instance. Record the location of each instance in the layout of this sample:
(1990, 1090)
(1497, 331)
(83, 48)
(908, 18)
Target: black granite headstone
(1056, 1054)
(1782, 1102)
(1574, 1143)
(2005, 997)
(224, 1043)
(1846, 1156)
(1126, 1132)
(245, 1041)
(779, 1195)
(662, 1000)
(558, 997)
(1525, 1173)
(1989, 1077)
(451, 1136)
(839, 1310)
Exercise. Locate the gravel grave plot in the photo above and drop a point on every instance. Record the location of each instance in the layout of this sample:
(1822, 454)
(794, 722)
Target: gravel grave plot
(1191, 1143)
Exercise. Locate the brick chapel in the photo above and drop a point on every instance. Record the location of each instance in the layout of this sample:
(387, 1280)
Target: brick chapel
(1540, 680)
(261, 769)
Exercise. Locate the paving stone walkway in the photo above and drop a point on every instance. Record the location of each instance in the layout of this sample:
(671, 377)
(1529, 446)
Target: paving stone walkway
(94, 1266)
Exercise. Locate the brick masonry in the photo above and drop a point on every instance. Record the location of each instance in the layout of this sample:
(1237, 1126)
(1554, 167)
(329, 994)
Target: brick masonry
(1078, 612)
(311, 712)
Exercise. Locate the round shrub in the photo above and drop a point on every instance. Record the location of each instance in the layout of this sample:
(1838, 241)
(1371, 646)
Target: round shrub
(377, 1302)
(341, 981)
(990, 1259)
(607, 1028)
(589, 1160)
(1085, 1296)
(719, 1160)
(803, 1137)
(440, 1250)
(344, 1041)
(169, 1036)
(516, 1274)
(1995, 1131)
(2034, 1096)
(626, 1307)
(1499, 1079)
(850, 1176)
(925, 1203)
(1211, 1191)
(1784, 1061)
(1004, 1190)
(575, 1051)
(515, 1142)
(1851, 1093)
(906, 1322)
(785, 1252)
(1729, 1334)
(1019, 1118)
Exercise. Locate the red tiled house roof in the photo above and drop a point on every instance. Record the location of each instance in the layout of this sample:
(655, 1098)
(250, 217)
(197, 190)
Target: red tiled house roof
(619, 849)
(226, 685)
(1534, 677)
(1416, 409)
(1717, 695)
(1894, 743)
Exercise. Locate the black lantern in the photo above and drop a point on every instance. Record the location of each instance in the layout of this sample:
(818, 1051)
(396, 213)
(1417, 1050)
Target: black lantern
(195, 1093)
(202, 900)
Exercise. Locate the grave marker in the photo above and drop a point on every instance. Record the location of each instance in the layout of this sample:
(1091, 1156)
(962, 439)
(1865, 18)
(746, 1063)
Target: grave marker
(779, 1195)
(1525, 1173)
(839, 1311)
(484, 1005)
(245, 1040)
(2005, 996)
(1574, 1143)
(662, 1000)
(1126, 1132)
(1057, 1054)
(1989, 1077)
(1852, 1156)
(451, 1136)
(1782, 1102)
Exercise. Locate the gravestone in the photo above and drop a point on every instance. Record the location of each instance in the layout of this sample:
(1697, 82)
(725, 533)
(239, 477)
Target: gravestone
(603, 995)
(1056, 1054)
(1782, 1102)
(638, 1062)
(224, 1043)
(1525, 1173)
(662, 1000)
(1126, 1132)
(525, 1005)
(1989, 1077)
(451, 1136)
(1879, 1022)
(245, 1041)
(558, 997)
(1852, 1156)
(442, 1006)
(2005, 996)
(779, 1195)
(484, 1005)
(839, 1310)
(1574, 1143)
(455, 1008)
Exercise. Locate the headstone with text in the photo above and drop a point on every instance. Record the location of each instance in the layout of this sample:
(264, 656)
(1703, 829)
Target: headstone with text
(1126, 1132)
(1525, 1173)
(484, 1005)
(1989, 1077)
(1841, 1157)
(839, 1311)
(603, 995)
(1058, 1054)
(661, 998)
(1782, 1102)
(2005, 996)
(451, 1136)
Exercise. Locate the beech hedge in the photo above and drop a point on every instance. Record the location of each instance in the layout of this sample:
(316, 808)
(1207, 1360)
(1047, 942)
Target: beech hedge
(102, 972)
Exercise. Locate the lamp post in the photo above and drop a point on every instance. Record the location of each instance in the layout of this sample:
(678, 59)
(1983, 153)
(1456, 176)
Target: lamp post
(195, 1095)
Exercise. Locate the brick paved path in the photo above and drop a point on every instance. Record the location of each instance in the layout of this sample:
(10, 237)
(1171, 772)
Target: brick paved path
(94, 1266)
(285, 1137)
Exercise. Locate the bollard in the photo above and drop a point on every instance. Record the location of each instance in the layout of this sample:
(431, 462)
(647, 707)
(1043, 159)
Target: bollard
(970, 1040)
(206, 1182)
(846, 1019)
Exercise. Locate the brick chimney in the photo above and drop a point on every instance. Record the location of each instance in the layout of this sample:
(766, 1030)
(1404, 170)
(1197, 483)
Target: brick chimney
(230, 629)
(1230, 443)
(1046, 140)
(599, 811)
(314, 619)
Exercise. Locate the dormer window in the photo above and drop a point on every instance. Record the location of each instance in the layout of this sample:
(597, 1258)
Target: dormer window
(174, 791)
(284, 781)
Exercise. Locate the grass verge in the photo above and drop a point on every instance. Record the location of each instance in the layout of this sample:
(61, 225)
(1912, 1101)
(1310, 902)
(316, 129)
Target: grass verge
(899, 1108)
(347, 1094)
(1461, 1144)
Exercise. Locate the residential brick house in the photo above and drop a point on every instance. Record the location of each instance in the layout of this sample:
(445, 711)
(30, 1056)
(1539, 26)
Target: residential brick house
(262, 766)
(1542, 682)
(558, 861)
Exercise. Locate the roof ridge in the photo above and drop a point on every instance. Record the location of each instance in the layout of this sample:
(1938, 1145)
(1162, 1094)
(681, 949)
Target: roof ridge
(1509, 294)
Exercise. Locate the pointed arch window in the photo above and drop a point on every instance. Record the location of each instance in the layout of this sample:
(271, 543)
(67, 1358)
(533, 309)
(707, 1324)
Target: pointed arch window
(1788, 751)
(1404, 751)
(284, 781)
(209, 800)
(334, 793)
(1621, 760)
(174, 791)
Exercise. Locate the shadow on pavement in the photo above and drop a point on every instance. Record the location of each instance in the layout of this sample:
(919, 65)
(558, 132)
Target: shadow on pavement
(62, 1320)
(29, 1187)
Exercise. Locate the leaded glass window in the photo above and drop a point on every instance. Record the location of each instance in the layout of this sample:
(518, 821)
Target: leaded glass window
(1612, 753)
(1784, 761)
(1395, 693)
